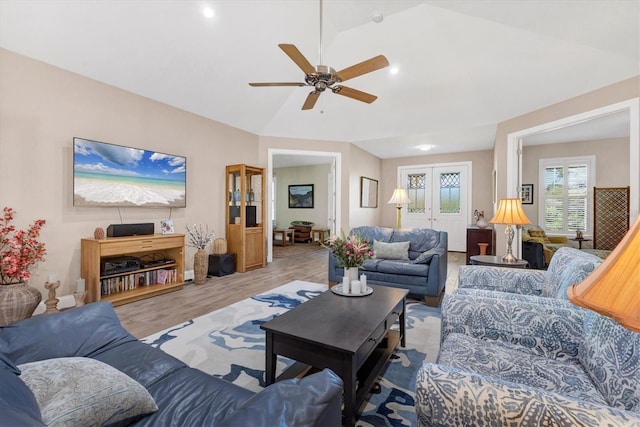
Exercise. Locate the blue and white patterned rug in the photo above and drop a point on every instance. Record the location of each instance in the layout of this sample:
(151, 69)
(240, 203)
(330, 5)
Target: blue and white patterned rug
(229, 343)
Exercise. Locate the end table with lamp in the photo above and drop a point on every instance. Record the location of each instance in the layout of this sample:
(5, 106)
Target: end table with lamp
(510, 213)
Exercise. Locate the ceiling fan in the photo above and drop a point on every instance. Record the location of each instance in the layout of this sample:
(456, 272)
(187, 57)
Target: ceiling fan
(323, 77)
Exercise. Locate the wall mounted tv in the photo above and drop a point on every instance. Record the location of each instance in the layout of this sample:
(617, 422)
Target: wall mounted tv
(115, 176)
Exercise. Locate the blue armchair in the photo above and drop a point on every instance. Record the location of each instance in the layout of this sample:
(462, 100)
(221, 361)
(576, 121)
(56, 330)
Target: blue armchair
(534, 361)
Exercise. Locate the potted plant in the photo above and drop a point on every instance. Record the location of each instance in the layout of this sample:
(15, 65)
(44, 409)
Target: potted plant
(20, 250)
(351, 252)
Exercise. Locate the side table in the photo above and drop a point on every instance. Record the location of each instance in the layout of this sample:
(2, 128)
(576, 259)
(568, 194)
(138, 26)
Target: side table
(284, 235)
(575, 239)
(496, 261)
(320, 232)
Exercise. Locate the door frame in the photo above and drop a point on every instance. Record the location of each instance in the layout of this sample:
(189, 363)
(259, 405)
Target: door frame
(514, 152)
(336, 193)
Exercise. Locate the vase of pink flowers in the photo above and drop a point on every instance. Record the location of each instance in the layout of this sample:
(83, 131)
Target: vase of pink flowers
(20, 250)
(351, 252)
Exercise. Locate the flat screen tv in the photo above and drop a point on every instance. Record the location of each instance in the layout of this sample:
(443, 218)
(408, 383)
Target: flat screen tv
(114, 175)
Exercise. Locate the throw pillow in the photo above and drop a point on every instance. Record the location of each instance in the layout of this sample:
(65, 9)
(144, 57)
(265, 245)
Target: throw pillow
(398, 250)
(425, 257)
(78, 391)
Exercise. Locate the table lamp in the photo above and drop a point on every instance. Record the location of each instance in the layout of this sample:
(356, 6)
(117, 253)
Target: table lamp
(399, 197)
(510, 213)
(612, 288)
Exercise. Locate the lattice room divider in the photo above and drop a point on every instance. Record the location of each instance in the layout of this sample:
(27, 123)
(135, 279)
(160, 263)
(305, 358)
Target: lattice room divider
(610, 216)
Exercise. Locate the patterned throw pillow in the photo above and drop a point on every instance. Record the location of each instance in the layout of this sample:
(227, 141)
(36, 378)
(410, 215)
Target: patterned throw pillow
(398, 250)
(78, 391)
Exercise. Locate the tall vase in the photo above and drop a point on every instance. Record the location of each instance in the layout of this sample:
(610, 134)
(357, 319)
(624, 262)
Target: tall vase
(200, 267)
(17, 302)
(351, 273)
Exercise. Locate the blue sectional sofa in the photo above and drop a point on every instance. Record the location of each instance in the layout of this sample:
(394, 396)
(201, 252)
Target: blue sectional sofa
(424, 270)
(127, 382)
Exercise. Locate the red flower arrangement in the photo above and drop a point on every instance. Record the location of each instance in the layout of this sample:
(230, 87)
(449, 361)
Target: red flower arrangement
(19, 249)
(351, 251)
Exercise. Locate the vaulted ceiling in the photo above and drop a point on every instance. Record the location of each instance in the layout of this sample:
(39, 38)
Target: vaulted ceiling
(463, 66)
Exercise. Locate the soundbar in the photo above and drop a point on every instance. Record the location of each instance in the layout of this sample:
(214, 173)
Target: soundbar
(121, 230)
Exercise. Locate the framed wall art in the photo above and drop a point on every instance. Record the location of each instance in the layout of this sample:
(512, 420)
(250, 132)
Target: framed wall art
(526, 194)
(301, 196)
(368, 192)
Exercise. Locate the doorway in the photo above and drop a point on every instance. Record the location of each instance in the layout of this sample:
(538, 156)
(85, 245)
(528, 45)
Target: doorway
(440, 199)
(515, 141)
(278, 158)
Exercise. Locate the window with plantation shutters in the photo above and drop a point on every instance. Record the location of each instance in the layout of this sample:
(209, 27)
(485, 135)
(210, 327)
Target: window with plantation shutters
(565, 196)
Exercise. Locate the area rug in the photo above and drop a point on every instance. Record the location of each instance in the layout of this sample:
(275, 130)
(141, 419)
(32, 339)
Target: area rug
(228, 343)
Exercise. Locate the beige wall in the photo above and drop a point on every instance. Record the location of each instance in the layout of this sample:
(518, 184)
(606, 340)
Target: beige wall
(316, 175)
(365, 164)
(42, 108)
(612, 164)
(618, 92)
(481, 165)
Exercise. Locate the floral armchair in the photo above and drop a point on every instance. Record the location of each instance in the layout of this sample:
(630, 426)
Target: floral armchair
(568, 266)
(533, 361)
(550, 244)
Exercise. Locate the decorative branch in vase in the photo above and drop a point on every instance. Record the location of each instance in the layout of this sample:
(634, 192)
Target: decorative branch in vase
(199, 238)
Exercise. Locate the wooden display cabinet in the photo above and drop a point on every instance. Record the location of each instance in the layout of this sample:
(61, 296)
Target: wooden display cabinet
(124, 287)
(245, 216)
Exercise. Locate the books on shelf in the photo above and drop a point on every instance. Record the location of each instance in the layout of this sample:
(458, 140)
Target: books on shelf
(133, 280)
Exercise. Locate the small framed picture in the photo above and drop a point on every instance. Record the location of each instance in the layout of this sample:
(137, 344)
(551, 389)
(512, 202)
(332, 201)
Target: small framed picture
(166, 226)
(526, 194)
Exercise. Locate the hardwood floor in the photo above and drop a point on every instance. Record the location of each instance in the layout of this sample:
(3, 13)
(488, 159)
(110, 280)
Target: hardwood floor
(143, 318)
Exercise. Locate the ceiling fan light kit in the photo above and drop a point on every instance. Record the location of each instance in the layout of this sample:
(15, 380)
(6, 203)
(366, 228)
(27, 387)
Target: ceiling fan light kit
(323, 77)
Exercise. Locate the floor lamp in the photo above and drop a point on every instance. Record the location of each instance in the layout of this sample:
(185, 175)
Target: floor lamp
(510, 213)
(399, 197)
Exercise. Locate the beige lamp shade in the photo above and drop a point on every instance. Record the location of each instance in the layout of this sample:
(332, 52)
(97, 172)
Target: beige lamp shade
(399, 196)
(510, 213)
(613, 289)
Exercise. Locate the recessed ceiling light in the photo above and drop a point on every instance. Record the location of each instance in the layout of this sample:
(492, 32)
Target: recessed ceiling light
(208, 12)
(394, 70)
(425, 147)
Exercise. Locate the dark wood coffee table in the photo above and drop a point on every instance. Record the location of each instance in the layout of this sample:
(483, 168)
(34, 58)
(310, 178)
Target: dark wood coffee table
(349, 335)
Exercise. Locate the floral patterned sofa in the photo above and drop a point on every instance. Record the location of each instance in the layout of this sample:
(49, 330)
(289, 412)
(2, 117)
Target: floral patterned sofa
(568, 266)
(529, 361)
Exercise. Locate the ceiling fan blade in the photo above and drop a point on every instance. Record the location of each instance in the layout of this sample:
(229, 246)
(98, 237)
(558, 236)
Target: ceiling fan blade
(277, 84)
(364, 67)
(297, 57)
(354, 93)
(311, 100)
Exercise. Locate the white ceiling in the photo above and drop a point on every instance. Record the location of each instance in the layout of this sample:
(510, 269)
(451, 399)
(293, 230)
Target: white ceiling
(464, 65)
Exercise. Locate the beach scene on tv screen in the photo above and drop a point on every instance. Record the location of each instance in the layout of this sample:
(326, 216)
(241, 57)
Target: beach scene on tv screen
(113, 175)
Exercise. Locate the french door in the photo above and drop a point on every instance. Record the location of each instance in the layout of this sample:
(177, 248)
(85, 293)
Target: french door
(439, 199)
